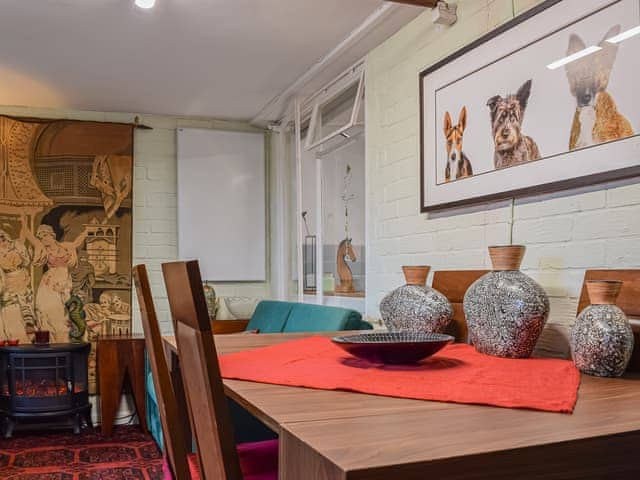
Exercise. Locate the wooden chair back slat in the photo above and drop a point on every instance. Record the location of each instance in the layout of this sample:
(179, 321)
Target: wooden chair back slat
(210, 419)
(173, 432)
(628, 301)
(453, 284)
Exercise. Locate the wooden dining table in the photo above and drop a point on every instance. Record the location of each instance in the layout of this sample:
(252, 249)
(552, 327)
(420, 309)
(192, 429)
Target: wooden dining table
(331, 435)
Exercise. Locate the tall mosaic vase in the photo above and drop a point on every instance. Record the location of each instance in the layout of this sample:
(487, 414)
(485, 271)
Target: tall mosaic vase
(505, 309)
(601, 338)
(414, 307)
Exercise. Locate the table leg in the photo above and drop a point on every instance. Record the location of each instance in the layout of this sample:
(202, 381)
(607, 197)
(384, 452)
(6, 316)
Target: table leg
(110, 381)
(137, 382)
(117, 359)
(298, 460)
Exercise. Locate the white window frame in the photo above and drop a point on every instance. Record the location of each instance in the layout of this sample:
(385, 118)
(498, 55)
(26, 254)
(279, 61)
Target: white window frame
(310, 110)
(325, 96)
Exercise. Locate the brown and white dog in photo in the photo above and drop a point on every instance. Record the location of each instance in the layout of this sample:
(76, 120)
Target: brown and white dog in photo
(511, 146)
(458, 165)
(596, 118)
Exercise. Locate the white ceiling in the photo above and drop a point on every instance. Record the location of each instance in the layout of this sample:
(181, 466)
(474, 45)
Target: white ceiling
(214, 58)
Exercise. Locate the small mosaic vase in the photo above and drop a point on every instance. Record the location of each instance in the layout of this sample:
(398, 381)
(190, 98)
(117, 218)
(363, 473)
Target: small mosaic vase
(602, 339)
(210, 298)
(414, 307)
(505, 309)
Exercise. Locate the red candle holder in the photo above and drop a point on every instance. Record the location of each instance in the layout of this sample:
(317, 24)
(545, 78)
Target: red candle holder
(41, 337)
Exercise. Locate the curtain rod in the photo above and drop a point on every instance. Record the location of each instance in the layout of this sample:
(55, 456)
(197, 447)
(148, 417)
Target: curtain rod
(135, 124)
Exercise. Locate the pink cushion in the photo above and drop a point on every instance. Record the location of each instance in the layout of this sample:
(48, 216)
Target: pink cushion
(166, 471)
(258, 461)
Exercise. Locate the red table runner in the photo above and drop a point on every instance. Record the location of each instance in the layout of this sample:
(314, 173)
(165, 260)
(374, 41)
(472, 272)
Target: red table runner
(458, 373)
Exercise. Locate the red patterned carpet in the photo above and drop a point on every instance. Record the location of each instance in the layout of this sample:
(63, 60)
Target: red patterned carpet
(128, 454)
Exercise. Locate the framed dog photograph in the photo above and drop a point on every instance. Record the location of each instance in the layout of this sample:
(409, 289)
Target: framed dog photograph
(549, 105)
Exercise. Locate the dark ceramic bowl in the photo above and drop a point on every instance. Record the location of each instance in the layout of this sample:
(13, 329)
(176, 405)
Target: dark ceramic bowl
(393, 347)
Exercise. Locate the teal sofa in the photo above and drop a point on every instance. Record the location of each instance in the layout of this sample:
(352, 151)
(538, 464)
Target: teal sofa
(274, 317)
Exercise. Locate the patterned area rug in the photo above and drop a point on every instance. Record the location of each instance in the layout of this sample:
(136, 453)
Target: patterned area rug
(128, 454)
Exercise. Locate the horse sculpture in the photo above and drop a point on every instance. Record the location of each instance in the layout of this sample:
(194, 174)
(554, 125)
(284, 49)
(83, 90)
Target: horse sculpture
(345, 250)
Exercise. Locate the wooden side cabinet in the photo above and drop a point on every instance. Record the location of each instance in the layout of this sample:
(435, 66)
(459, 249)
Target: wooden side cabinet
(121, 357)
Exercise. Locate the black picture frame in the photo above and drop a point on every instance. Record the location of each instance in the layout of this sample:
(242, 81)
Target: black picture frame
(545, 188)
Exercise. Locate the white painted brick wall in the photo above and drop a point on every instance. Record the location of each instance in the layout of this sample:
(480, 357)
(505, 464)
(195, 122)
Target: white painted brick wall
(565, 233)
(154, 189)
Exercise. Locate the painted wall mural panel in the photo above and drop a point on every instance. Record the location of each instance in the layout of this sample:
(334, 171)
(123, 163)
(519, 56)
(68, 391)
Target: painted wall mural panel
(544, 103)
(65, 229)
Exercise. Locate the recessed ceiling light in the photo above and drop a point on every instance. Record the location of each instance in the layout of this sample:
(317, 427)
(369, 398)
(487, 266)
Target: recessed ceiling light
(573, 57)
(146, 4)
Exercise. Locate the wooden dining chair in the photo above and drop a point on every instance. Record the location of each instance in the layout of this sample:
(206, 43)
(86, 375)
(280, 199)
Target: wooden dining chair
(453, 284)
(174, 435)
(628, 301)
(218, 457)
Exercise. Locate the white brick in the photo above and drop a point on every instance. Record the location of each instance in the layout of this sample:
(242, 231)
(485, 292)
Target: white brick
(161, 172)
(152, 239)
(549, 229)
(139, 173)
(400, 189)
(164, 226)
(398, 227)
(163, 252)
(539, 208)
(408, 206)
(415, 243)
(623, 252)
(405, 129)
(153, 213)
(402, 110)
(609, 223)
(565, 255)
(387, 211)
(400, 150)
(627, 195)
(161, 199)
(497, 234)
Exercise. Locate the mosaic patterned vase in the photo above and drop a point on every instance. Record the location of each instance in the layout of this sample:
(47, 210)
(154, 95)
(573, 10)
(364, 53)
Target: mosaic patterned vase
(505, 309)
(210, 298)
(601, 339)
(414, 307)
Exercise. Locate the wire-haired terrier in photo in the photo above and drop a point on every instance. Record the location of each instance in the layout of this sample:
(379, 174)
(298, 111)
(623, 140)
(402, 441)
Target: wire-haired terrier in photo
(596, 118)
(458, 165)
(507, 114)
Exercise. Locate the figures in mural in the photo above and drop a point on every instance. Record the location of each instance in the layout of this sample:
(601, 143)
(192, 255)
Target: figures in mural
(111, 176)
(56, 283)
(73, 177)
(16, 296)
(77, 318)
(97, 315)
(83, 277)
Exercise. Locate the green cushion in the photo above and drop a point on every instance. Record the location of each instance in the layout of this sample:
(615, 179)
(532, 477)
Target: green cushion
(305, 317)
(364, 325)
(270, 316)
(153, 414)
(151, 391)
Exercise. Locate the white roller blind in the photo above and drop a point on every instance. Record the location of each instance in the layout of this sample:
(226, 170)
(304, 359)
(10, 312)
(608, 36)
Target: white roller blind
(222, 203)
